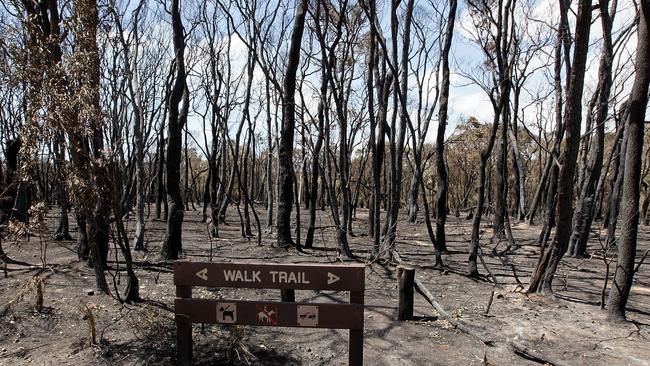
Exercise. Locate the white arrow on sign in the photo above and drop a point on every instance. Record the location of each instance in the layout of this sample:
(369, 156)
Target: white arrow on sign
(203, 274)
(331, 278)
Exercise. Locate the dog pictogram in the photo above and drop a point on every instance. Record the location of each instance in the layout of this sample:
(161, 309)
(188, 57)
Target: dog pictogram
(226, 312)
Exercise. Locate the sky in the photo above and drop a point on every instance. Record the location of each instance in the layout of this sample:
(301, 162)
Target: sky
(468, 99)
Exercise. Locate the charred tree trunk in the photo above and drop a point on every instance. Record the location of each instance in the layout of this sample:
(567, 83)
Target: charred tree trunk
(320, 115)
(600, 188)
(172, 245)
(313, 196)
(214, 180)
(644, 208)
(242, 175)
(269, 162)
(441, 169)
(140, 177)
(376, 132)
(133, 86)
(501, 181)
(517, 164)
(62, 229)
(617, 188)
(285, 148)
(532, 210)
(17, 186)
(584, 213)
(413, 195)
(186, 166)
(617, 157)
(504, 60)
(472, 268)
(398, 145)
(383, 92)
(132, 292)
(160, 178)
(572, 116)
(97, 228)
(631, 185)
(551, 186)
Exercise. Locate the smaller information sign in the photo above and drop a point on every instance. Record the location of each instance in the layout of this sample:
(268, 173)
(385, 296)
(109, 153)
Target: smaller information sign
(307, 315)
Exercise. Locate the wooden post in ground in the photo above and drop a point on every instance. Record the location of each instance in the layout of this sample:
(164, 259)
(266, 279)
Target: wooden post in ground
(405, 284)
(288, 295)
(355, 345)
(184, 329)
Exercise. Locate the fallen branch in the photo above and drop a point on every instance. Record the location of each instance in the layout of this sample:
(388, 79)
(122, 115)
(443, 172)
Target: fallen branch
(22, 350)
(8, 260)
(532, 355)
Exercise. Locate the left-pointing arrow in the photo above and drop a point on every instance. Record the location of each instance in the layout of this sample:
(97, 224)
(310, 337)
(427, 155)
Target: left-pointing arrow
(203, 274)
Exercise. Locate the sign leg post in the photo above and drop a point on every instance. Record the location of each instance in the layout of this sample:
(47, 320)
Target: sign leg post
(288, 295)
(184, 330)
(184, 339)
(356, 336)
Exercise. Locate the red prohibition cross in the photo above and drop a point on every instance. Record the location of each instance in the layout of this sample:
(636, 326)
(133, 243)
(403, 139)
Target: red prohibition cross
(267, 314)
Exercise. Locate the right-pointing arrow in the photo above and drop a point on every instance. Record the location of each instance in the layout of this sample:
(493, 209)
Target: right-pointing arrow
(331, 278)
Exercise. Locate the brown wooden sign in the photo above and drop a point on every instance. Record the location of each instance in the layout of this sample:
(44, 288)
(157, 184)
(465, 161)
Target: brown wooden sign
(271, 276)
(267, 313)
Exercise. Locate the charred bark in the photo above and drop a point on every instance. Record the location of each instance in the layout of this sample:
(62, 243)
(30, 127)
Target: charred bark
(568, 156)
(441, 169)
(472, 268)
(172, 245)
(285, 148)
(584, 214)
(638, 101)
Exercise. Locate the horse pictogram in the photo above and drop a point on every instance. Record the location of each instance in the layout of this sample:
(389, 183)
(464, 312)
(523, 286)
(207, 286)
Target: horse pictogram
(267, 314)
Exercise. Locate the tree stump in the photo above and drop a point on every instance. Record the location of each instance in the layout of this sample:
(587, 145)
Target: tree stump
(405, 284)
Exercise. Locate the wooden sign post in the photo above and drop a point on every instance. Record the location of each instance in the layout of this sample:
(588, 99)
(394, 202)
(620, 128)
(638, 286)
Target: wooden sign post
(268, 313)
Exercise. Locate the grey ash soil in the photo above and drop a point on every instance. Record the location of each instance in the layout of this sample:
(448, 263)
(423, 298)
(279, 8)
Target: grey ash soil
(570, 328)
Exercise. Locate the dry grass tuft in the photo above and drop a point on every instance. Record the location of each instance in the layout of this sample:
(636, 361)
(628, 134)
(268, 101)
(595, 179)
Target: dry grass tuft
(30, 293)
(238, 348)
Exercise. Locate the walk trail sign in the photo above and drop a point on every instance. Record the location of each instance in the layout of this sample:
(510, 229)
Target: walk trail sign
(268, 313)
